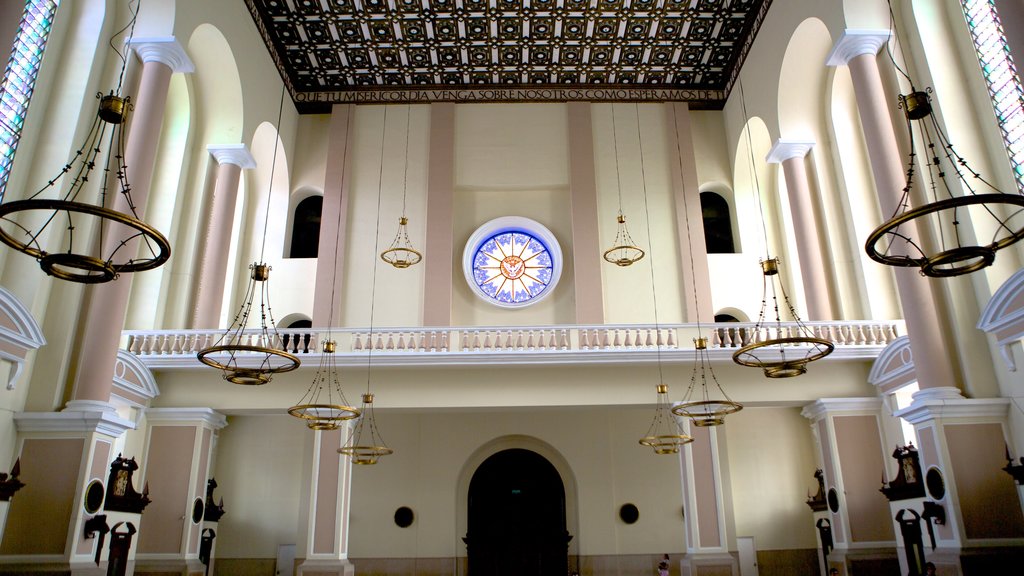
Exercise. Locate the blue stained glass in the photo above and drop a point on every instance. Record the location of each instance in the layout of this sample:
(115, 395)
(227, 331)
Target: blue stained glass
(1000, 75)
(20, 75)
(512, 267)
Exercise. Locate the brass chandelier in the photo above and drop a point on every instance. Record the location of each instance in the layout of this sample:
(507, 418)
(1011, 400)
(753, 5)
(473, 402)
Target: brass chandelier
(953, 192)
(956, 253)
(401, 253)
(125, 243)
(365, 445)
(664, 435)
(323, 406)
(624, 251)
(781, 351)
(243, 357)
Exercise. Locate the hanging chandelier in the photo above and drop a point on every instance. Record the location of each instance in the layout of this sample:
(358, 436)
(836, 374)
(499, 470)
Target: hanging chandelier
(125, 243)
(700, 404)
(323, 406)
(364, 444)
(242, 356)
(956, 194)
(664, 435)
(781, 351)
(401, 253)
(624, 251)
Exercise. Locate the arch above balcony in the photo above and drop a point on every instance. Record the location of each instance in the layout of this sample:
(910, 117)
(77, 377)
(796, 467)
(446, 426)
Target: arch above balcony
(1003, 317)
(19, 333)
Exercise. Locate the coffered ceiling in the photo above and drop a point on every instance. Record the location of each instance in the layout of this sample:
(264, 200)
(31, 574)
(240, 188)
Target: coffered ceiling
(334, 51)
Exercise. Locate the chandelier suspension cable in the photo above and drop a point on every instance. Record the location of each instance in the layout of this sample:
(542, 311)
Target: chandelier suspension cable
(401, 253)
(260, 349)
(624, 251)
(365, 445)
(784, 357)
(131, 34)
(664, 434)
(327, 415)
(703, 410)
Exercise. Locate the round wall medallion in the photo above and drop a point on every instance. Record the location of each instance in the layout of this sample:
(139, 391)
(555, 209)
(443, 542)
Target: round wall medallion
(94, 493)
(629, 513)
(512, 262)
(404, 517)
(833, 500)
(935, 483)
(197, 511)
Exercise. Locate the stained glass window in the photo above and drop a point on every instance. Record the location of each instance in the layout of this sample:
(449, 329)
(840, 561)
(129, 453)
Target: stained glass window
(1003, 81)
(512, 262)
(20, 78)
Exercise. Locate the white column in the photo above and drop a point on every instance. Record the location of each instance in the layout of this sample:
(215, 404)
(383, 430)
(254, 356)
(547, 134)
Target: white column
(326, 547)
(106, 305)
(215, 237)
(791, 153)
(857, 49)
(707, 546)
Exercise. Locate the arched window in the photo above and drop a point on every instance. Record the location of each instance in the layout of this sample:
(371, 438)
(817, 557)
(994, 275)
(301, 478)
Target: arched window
(717, 224)
(306, 228)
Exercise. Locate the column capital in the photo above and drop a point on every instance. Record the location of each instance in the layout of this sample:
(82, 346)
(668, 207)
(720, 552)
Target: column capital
(165, 50)
(784, 149)
(203, 416)
(237, 154)
(827, 406)
(855, 43)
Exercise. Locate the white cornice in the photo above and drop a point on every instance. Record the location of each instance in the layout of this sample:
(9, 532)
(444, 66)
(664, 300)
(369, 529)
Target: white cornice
(831, 406)
(783, 150)
(237, 154)
(165, 50)
(19, 332)
(947, 402)
(855, 43)
(206, 416)
(103, 422)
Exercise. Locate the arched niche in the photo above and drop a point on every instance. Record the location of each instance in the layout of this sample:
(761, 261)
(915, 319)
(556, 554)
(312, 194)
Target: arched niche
(755, 193)
(548, 452)
(718, 215)
(217, 89)
(302, 235)
(803, 81)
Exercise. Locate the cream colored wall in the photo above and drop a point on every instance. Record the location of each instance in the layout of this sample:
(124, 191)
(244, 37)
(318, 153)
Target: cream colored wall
(262, 473)
(771, 465)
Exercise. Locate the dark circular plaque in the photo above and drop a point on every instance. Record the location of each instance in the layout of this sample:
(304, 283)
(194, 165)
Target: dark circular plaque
(197, 511)
(936, 483)
(629, 513)
(404, 517)
(94, 497)
(833, 500)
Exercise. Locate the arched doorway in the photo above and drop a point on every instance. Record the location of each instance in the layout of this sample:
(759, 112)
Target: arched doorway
(516, 517)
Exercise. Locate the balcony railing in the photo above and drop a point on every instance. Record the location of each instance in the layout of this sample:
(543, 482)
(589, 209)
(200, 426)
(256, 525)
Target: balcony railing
(538, 344)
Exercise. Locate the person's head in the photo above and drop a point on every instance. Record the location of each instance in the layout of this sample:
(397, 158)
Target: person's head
(833, 572)
(929, 568)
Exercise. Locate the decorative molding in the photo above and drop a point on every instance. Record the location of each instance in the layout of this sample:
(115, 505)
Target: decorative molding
(237, 154)
(206, 416)
(132, 379)
(19, 333)
(894, 367)
(947, 402)
(165, 50)
(855, 43)
(836, 406)
(783, 150)
(1003, 317)
(101, 422)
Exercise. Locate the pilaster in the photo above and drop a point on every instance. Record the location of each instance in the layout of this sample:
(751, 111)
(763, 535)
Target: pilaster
(179, 453)
(326, 546)
(850, 444)
(707, 546)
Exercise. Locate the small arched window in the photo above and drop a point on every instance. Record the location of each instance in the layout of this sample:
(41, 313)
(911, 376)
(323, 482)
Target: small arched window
(717, 224)
(306, 228)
